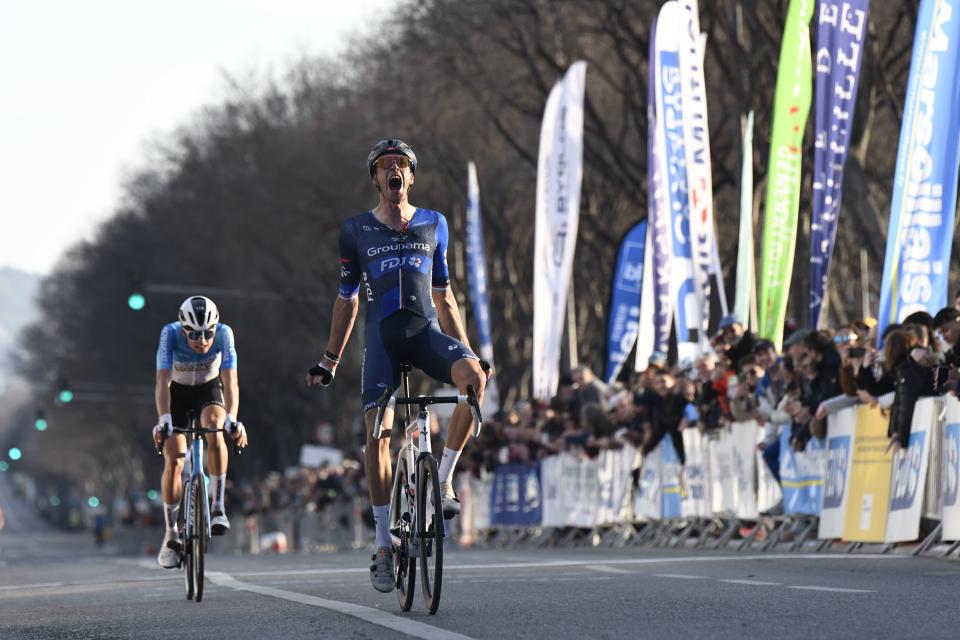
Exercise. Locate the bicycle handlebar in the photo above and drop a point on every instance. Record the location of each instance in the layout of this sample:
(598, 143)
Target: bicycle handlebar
(236, 449)
(387, 400)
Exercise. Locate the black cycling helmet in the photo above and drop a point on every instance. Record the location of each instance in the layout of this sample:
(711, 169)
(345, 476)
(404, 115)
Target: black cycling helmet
(388, 147)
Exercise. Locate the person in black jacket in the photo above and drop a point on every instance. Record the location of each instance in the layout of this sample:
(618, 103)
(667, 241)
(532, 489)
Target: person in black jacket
(820, 362)
(664, 409)
(914, 377)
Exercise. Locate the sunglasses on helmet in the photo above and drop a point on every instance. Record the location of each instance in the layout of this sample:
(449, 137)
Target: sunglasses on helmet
(384, 162)
(198, 335)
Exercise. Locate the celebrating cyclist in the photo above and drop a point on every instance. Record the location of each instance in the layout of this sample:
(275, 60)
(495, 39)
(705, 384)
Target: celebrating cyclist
(196, 373)
(398, 253)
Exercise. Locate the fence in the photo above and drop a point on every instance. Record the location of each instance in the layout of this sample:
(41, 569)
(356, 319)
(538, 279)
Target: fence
(845, 488)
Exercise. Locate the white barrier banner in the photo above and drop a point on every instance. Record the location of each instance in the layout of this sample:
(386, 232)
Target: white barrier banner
(841, 432)
(481, 490)
(722, 479)
(768, 489)
(613, 467)
(647, 502)
(951, 471)
(696, 476)
(745, 469)
(909, 476)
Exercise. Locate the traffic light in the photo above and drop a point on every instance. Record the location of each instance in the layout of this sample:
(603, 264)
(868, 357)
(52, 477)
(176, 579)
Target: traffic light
(136, 301)
(41, 422)
(64, 395)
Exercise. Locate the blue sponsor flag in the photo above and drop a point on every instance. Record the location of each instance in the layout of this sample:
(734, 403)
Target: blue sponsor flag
(923, 205)
(624, 310)
(477, 276)
(516, 499)
(841, 27)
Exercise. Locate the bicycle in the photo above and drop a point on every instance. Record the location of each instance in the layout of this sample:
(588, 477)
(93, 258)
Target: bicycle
(415, 504)
(193, 521)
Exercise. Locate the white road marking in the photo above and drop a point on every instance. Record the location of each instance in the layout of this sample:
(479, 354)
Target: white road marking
(605, 569)
(35, 585)
(756, 583)
(549, 564)
(367, 614)
(832, 589)
(679, 576)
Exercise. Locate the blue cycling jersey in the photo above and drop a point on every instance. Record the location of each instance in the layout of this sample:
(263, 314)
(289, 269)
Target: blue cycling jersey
(189, 367)
(398, 269)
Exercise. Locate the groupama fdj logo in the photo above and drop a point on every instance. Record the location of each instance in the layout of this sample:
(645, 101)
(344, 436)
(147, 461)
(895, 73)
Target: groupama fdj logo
(951, 476)
(838, 459)
(906, 474)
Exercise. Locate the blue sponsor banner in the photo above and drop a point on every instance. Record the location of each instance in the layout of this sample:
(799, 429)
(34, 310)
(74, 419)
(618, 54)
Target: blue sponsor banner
(671, 102)
(923, 205)
(906, 474)
(669, 478)
(838, 466)
(658, 216)
(841, 27)
(951, 479)
(624, 310)
(801, 476)
(516, 498)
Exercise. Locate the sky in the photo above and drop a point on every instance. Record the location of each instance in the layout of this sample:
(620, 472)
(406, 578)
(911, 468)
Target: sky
(86, 86)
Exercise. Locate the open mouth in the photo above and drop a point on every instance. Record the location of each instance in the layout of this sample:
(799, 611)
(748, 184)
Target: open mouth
(395, 183)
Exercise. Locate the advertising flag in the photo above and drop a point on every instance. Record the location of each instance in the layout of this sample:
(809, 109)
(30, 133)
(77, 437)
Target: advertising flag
(923, 206)
(673, 166)
(841, 29)
(477, 276)
(696, 142)
(791, 106)
(745, 258)
(559, 173)
(656, 306)
(624, 311)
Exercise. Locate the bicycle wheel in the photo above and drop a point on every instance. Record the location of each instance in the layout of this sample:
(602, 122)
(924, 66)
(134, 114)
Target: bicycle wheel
(430, 531)
(186, 555)
(199, 541)
(400, 512)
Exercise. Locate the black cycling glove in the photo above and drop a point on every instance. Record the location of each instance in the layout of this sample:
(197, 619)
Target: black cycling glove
(325, 375)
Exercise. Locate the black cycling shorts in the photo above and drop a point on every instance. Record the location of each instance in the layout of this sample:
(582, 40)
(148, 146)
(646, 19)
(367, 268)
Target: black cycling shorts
(186, 399)
(406, 336)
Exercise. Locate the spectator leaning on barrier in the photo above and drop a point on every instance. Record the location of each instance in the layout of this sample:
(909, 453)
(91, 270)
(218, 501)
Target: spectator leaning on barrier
(663, 411)
(915, 376)
(946, 324)
(739, 340)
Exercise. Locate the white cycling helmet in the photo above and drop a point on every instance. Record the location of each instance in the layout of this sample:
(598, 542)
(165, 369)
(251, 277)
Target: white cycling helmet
(199, 313)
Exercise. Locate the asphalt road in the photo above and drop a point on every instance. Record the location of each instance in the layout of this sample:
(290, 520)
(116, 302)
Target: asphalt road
(55, 585)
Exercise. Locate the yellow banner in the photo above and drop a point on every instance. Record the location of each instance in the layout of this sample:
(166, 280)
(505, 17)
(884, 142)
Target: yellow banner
(869, 497)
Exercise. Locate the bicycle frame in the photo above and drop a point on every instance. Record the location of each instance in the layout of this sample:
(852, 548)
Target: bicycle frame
(412, 453)
(196, 469)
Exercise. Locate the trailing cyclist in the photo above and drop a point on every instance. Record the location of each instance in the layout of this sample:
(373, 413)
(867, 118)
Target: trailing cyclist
(398, 252)
(196, 373)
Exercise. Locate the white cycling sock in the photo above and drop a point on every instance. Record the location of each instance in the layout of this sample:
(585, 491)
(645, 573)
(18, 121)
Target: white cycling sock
(381, 515)
(219, 482)
(447, 464)
(170, 512)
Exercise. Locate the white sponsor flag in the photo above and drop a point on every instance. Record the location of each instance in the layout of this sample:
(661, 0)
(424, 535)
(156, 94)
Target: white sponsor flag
(696, 142)
(688, 310)
(559, 172)
(746, 309)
